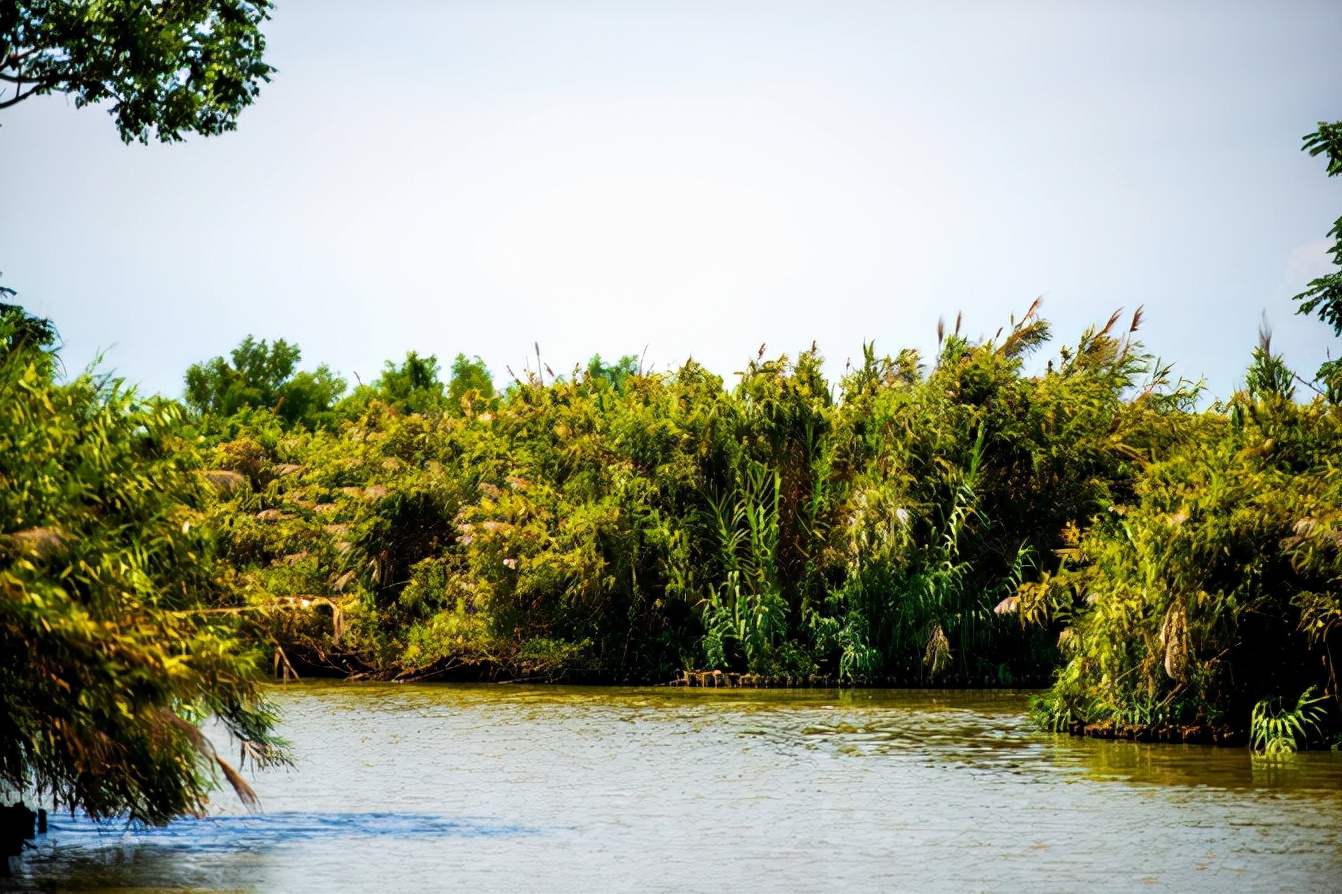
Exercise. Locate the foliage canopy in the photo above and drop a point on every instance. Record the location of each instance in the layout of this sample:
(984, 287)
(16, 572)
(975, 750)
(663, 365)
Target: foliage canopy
(168, 68)
(121, 630)
(1323, 297)
(261, 376)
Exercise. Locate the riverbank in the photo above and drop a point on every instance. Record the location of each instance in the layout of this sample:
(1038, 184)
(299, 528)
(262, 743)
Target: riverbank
(716, 679)
(1191, 734)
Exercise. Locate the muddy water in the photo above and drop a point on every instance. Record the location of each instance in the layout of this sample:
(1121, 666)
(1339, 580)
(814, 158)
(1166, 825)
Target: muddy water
(503, 788)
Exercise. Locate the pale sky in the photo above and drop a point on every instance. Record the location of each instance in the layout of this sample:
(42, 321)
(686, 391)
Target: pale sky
(696, 179)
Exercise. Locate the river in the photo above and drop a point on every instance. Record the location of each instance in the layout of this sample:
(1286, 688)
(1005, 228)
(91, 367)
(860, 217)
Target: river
(553, 789)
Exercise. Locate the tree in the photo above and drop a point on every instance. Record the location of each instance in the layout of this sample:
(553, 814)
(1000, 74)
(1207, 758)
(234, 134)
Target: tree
(119, 631)
(1324, 295)
(412, 387)
(262, 376)
(468, 376)
(615, 374)
(19, 330)
(169, 67)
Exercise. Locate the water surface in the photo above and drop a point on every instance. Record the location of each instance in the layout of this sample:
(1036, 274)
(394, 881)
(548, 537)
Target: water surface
(507, 788)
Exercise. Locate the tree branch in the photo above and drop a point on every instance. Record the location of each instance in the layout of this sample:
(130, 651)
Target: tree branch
(1308, 384)
(20, 97)
(15, 58)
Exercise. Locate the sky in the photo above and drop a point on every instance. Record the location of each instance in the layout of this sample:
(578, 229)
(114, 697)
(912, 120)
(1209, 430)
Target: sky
(697, 179)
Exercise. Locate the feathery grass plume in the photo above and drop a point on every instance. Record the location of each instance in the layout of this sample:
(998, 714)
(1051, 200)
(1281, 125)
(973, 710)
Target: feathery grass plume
(937, 654)
(1174, 641)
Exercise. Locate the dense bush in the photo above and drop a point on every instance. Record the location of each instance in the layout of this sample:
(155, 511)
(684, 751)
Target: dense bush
(967, 521)
(625, 525)
(1216, 586)
(119, 629)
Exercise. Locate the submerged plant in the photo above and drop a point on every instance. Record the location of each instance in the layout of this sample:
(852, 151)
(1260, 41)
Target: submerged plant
(1275, 729)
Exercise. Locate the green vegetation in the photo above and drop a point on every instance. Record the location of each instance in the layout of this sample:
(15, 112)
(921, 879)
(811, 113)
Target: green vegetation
(961, 520)
(620, 525)
(1279, 730)
(263, 377)
(958, 521)
(1323, 297)
(1216, 585)
(167, 68)
(121, 630)
(981, 516)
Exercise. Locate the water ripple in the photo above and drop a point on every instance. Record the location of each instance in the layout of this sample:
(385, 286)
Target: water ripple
(489, 788)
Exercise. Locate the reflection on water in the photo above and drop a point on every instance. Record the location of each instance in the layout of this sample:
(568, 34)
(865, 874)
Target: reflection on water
(223, 833)
(503, 788)
(89, 855)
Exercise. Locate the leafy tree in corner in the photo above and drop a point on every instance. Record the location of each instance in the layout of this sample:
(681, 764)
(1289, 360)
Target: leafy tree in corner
(169, 67)
(119, 630)
(262, 376)
(1324, 295)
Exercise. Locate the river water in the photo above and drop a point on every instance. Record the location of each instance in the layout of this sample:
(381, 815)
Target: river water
(553, 789)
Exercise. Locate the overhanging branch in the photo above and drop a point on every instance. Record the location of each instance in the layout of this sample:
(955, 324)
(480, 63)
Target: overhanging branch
(21, 96)
(13, 59)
